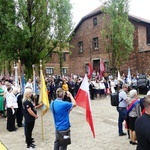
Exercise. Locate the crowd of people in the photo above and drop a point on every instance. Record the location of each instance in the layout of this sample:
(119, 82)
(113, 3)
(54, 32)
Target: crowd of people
(131, 109)
(62, 90)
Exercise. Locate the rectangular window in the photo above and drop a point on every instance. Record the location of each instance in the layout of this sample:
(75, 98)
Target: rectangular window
(80, 44)
(64, 56)
(64, 70)
(49, 70)
(94, 21)
(95, 43)
(148, 35)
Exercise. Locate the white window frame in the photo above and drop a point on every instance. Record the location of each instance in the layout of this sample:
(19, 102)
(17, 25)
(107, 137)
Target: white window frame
(64, 70)
(95, 43)
(49, 70)
(80, 46)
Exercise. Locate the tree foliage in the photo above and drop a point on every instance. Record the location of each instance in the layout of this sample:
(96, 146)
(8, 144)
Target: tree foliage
(117, 32)
(31, 30)
(62, 27)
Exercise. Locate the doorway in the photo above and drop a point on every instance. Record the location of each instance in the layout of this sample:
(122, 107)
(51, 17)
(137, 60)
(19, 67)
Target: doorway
(96, 65)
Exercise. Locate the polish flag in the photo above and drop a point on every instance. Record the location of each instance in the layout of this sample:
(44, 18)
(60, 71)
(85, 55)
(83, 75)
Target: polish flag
(90, 70)
(83, 100)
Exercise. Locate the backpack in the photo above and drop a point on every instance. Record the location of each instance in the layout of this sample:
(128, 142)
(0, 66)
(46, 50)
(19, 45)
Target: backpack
(114, 99)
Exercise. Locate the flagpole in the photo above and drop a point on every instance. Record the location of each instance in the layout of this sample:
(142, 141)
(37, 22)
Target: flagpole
(16, 76)
(41, 111)
(19, 74)
(34, 94)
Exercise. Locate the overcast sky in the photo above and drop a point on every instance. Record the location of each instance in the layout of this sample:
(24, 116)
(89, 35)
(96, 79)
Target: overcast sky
(81, 8)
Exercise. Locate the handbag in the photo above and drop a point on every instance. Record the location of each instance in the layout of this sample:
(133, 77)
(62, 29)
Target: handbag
(62, 136)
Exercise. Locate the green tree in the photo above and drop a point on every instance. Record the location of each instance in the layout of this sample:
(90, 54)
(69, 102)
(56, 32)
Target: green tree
(7, 28)
(63, 27)
(30, 34)
(117, 32)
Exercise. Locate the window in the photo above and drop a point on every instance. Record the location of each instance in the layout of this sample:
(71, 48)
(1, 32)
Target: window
(94, 21)
(80, 46)
(49, 70)
(95, 43)
(148, 35)
(64, 70)
(64, 56)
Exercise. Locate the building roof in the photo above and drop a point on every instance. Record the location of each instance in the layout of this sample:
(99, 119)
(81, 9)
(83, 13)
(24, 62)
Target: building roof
(99, 11)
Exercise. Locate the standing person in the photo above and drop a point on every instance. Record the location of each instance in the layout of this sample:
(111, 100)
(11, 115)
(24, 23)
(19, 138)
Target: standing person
(142, 127)
(30, 115)
(122, 108)
(141, 102)
(29, 84)
(61, 110)
(112, 85)
(134, 83)
(2, 109)
(65, 87)
(71, 85)
(19, 114)
(133, 112)
(116, 84)
(12, 106)
(5, 87)
(97, 88)
(92, 90)
(77, 85)
(102, 88)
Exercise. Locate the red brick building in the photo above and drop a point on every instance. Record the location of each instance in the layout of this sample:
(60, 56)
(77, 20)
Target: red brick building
(88, 48)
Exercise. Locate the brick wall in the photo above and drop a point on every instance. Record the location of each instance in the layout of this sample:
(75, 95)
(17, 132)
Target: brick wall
(86, 32)
(138, 61)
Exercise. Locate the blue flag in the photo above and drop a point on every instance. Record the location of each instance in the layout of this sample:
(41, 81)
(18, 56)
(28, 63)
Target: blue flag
(23, 83)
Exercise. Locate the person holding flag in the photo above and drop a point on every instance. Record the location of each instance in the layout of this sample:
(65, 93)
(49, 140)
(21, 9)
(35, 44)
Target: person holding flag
(61, 110)
(30, 114)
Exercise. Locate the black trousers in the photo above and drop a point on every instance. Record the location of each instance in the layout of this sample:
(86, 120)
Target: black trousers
(28, 132)
(56, 143)
(19, 117)
(19, 113)
(10, 120)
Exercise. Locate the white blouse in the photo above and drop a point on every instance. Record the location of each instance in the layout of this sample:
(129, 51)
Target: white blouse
(11, 100)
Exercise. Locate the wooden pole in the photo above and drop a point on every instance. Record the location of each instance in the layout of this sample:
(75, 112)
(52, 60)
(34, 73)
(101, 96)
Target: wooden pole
(42, 127)
(34, 84)
(16, 76)
(20, 76)
(41, 100)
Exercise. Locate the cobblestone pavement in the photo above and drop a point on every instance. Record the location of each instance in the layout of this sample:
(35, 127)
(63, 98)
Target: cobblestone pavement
(105, 122)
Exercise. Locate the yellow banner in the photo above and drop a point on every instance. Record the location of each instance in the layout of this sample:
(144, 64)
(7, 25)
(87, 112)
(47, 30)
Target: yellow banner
(2, 146)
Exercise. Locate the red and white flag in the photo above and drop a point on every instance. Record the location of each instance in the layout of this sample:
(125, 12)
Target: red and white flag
(90, 70)
(83, 100)
(102, 68)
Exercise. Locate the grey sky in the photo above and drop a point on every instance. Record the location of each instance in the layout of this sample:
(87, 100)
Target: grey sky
(140, 8)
